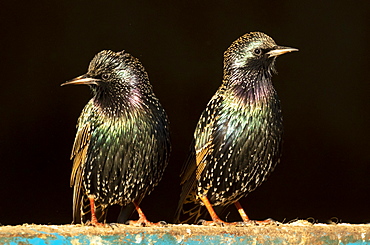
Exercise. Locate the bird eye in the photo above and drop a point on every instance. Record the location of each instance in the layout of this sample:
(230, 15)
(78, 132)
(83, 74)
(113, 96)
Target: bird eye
(105, 76)
(257, 51)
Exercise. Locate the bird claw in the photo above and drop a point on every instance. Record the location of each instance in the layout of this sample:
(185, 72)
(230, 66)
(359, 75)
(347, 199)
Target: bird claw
(162, 223)
(240, 223)
(112, 225)
(145, 223)
(268, 221)
(245, 223)
(204, 222)
(137, 222)
(218, 223)
(95, 224)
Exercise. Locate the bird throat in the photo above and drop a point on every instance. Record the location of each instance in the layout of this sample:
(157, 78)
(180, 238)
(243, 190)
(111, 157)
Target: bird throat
(253, 87)
(117, 103)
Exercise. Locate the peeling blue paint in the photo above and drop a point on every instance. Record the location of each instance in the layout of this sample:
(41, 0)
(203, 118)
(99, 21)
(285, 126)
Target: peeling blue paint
(190, 235)
(160, 239)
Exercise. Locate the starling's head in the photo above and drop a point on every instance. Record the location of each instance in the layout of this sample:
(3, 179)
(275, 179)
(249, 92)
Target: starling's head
(253, 51)
(115, 75)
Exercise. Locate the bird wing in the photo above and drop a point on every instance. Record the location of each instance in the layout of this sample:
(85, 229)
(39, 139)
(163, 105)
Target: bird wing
(202, 144)
(79, 155)
(79, 151)
(201, 147)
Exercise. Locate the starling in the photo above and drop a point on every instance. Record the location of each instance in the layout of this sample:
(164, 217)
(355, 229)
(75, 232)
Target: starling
(122, 143)
(237, 141)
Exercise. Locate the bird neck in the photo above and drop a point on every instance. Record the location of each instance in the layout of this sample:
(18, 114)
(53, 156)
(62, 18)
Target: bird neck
(115, 102)
(251, 86)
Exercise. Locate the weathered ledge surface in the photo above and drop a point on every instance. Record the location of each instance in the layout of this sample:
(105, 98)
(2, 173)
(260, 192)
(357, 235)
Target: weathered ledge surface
(300, 232)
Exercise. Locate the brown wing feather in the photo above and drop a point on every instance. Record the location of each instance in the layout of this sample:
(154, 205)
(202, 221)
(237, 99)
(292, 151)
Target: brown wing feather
(199, 159)
(79, 153)
(201, 148)
(189, 177)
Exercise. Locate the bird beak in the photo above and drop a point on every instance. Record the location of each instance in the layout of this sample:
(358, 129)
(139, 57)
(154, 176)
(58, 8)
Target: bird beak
(82, 80)
(279, 50)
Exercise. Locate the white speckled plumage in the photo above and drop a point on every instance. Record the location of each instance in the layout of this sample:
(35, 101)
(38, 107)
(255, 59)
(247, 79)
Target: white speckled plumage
(238, 138)
(122, 143)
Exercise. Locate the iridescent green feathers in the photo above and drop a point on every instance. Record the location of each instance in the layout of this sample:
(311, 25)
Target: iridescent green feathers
(122, 142)
(238, 138)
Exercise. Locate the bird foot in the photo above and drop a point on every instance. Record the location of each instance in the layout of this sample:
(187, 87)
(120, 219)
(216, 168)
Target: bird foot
(268, 221)
(112, 225)
(219, 223)
(222, 223)
(96, 224)
(146, 223)
(257, 222)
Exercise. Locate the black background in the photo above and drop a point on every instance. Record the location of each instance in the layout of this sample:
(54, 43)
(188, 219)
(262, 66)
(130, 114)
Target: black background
(324, 89)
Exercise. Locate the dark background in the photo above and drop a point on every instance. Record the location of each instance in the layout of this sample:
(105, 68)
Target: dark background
(324, 89)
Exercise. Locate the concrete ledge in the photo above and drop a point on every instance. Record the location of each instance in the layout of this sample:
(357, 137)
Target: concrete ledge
(300, 232)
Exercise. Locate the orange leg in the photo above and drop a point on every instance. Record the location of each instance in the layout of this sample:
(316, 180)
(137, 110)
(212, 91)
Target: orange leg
(142, 221)
(94, 220)
(242, 212)
(246, 218)
(211, 211)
